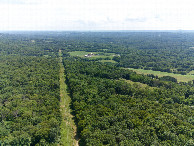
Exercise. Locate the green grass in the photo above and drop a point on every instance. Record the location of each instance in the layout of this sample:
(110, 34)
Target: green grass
(97, 54)
(138, 84)
(79, 53)
(191, 72)
(68, 128)
(179, 77)
(111, 61)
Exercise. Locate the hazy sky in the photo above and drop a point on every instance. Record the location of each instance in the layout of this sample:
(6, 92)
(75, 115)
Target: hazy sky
(96, 14)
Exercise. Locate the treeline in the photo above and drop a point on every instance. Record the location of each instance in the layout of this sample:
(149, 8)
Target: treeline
(110, 111)
(159, 51)
(166, 60)
(29, 101)
(29, 44)
(167, 86)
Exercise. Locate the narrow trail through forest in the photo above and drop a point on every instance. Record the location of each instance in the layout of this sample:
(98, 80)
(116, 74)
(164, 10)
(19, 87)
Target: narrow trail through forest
(68, 127)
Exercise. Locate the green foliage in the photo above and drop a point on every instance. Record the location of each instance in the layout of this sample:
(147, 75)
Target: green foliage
(108, 110)
(29, 100)
(112, 112)
(168, 78)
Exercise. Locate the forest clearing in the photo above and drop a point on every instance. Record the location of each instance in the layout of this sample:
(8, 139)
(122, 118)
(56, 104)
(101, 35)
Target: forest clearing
(68, 127)
(95, 56)
(179, 77)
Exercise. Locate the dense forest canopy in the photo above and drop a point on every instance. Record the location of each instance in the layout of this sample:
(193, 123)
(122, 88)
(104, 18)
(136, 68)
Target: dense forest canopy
(29, 99)
(112, 104)
(29, 93)
(111, 111)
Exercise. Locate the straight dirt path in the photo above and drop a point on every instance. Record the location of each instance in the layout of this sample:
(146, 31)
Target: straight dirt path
(68, 127)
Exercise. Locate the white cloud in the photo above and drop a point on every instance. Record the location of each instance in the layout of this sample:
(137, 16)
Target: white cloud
(96, 14)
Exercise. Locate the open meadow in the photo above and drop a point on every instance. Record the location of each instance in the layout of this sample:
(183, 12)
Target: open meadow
(179, 77)
(94, 56)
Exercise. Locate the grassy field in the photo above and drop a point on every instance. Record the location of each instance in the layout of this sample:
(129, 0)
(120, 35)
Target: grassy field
(68, 128)
(111, 61)
(97, 54)
(179, 77)
(140, 85)
(79, 53)
(191, 72)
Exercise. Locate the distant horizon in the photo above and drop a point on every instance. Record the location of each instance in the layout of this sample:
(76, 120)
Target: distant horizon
(96, 15)
(96, 31)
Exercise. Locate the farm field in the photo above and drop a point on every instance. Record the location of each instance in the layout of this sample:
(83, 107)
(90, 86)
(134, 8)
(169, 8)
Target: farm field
(96, 54)
(179, 77)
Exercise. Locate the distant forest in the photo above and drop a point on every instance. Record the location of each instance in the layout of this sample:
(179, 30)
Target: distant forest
(112, 105)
